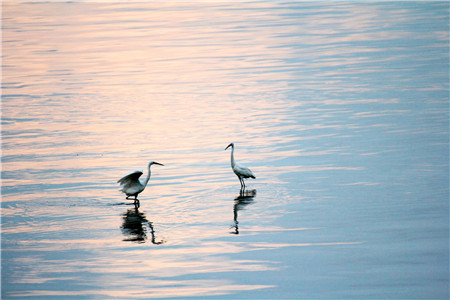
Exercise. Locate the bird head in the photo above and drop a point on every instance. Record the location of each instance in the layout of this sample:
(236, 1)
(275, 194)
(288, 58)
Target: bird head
(232, 145)
(154, 163)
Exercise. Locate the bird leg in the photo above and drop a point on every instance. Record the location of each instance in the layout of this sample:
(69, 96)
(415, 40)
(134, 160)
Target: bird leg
(241, 192)
(242, 183)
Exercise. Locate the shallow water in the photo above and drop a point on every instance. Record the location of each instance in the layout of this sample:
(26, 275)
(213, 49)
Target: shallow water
(340, 110)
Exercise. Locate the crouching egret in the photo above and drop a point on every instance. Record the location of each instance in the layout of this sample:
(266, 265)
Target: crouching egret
(131, 185)
(240, 171)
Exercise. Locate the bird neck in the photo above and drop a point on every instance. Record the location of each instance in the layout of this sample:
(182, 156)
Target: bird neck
(232, 157)
(148, 175)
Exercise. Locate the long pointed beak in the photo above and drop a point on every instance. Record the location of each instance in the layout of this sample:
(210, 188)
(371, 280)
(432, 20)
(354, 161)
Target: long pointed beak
(227, 147)
(157, 163)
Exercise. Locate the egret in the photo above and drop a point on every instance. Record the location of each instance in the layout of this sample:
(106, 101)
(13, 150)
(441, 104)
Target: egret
(131, 185)
(240, 171)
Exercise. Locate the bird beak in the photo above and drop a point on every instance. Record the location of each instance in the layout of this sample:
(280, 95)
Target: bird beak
(228, 147)
(157, 163)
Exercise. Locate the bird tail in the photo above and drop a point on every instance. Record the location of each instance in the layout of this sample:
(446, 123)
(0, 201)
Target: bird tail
(253, 176)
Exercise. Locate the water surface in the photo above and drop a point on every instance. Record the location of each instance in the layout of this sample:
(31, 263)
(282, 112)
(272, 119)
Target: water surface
(340, 109)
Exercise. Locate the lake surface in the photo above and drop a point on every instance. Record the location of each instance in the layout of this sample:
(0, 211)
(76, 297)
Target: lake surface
(340, 110)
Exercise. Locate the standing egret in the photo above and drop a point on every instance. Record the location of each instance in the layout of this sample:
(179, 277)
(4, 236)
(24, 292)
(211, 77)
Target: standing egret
(131, 185)
(240, 171)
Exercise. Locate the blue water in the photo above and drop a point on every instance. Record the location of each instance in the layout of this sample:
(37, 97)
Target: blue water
(339, 109)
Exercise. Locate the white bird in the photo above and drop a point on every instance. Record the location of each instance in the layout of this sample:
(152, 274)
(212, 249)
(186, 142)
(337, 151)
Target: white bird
(240, 171)
(131, 185)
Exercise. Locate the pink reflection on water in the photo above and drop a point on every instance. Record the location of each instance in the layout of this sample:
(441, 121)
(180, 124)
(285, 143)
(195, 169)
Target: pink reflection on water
(110, 89)
(184, 288)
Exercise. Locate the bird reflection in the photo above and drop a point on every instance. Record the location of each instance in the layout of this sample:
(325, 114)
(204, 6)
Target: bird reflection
(240, 202)
(134, 227)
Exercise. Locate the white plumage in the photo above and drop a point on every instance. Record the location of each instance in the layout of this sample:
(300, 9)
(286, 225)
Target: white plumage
(131, 185)
(240, 171)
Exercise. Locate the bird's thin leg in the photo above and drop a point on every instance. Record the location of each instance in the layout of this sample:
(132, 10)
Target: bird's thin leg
(243, 184)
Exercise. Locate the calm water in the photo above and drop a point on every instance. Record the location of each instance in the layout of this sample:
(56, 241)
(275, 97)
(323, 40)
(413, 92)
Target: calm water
(340, 110)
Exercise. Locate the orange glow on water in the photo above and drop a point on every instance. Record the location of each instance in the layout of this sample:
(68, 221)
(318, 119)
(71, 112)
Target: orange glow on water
(327, 103)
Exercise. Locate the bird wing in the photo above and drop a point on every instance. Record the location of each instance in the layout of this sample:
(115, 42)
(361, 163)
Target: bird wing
(243, 171)
(130, 179)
